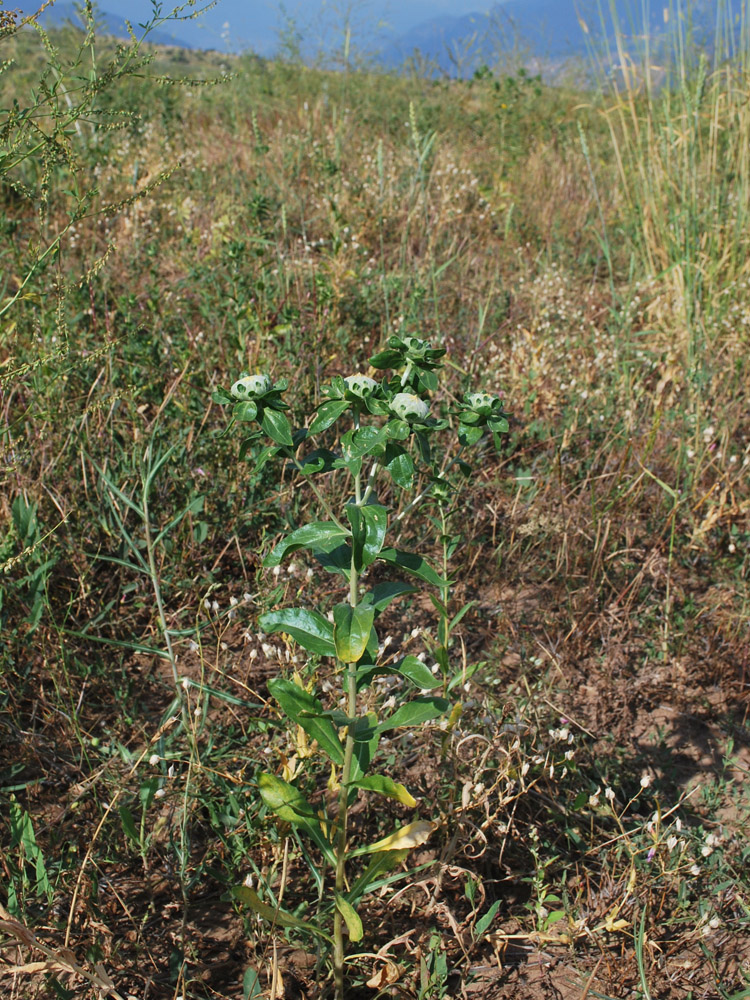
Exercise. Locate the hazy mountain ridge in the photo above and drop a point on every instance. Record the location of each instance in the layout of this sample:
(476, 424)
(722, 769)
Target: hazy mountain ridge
(64, 12)
(542, 30)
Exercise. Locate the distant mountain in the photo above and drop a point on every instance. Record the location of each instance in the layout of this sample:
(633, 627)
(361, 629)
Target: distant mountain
(111, 24)
(540, 32)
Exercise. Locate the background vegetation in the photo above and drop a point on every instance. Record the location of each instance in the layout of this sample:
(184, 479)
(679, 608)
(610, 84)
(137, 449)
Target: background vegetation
(170, 218)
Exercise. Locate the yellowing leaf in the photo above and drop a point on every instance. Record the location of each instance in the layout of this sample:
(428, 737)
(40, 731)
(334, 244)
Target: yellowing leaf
(616, 925)
(351, 918)
(407, 837)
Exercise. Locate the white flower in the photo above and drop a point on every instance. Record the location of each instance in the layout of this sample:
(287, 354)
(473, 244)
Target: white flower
(159, 793)
(360, 385)
(695, 870)
(154, 759)
(672, 842)
(409, 407)
(251, 385)
(609, 794)
(646, 780)
(477, 400)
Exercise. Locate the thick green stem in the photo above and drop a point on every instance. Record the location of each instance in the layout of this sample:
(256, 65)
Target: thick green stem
(350, 685)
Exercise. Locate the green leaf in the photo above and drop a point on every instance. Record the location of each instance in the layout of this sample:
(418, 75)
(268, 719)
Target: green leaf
(128, 825)
(379, 864)
(245, 410)
(310, 629)
(484, 922)
(291, 806)
(398, 430)
(400, 464)
(277, 427)
(366, 739)
(416, 671)
(359, 534)
(369, 525)
(415, 712)
(304, 709)
(351, 630)
(315, 535)
(222, 396)
(273, 914)
(413, 563)
(387, 359)
(328, 414)
(368, 440)
(429, 380)
(469, 436)
(351, 917)
(499, 425)
(376, 519)
(382, 594)
(383, 785)
(320, 460)
(251, 987)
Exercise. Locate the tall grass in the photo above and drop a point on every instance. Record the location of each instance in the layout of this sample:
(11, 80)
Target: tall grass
(679, 121)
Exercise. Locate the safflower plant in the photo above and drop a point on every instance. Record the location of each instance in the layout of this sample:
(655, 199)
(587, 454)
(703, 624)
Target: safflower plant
(383, 429)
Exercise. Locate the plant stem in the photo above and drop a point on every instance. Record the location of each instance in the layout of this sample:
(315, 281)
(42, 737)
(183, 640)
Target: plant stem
(350, 690)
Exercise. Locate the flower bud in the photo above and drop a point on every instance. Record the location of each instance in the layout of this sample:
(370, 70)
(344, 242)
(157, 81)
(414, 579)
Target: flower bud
(250, 386)
(360, 385)
(409, 407)
(479, 400)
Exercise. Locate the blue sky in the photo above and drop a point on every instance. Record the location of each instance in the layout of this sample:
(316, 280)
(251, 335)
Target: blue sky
(255, 23)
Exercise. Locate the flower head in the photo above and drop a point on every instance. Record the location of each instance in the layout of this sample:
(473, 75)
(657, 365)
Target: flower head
(251, 386)
(360, 385)
(409, 407)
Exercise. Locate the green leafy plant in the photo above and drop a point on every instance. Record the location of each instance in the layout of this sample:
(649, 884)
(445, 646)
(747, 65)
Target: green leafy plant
(385, 430)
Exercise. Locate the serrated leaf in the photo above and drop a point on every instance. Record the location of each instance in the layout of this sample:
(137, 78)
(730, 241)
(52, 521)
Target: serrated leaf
(415, 712)
(351, 630)
(383, 785)
(304, 709)
(317, 535)
(273, 914)
(405, 838)
(327, 415)
(351, 918)
(309, 628)
(413, 563)
(277, 426)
